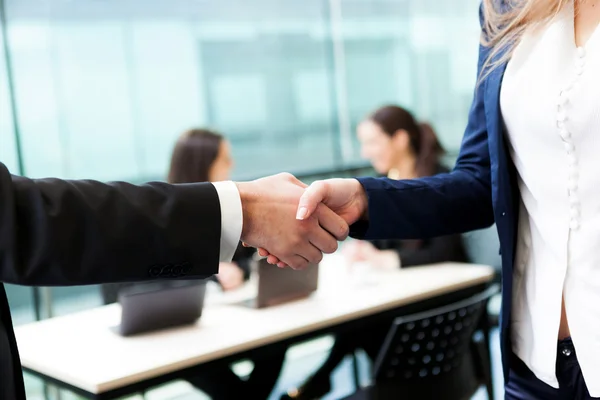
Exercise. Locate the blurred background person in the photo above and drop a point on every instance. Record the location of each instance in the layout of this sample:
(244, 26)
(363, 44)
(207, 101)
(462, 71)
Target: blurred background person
(201, 155)
(398, 147)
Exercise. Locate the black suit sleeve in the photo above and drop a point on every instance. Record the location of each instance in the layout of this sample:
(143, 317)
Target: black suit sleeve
(56, 232)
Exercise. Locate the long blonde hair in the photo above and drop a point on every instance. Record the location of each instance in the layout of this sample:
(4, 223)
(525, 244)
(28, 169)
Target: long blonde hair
(505, 22)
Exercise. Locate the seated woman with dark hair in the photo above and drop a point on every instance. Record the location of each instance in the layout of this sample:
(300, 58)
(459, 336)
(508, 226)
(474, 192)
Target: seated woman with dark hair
(201, 155)
(399, 148)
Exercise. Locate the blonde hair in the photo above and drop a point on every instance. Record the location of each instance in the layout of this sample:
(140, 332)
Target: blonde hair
(505, 22)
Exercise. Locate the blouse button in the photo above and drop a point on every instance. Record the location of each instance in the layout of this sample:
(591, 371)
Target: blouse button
(565, 134)
(563, 99)
(573, 199)
(581, 52)
(568, 87)
(569, 147)
(574, 225)
(561, 116)
(574, 212)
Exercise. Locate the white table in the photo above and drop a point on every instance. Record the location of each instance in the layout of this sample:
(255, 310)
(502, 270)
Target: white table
(81, 352)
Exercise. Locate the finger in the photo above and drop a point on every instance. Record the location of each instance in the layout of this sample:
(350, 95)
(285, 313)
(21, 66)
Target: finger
(296, 262)
(282, 265)
(245, 244)
(332, 223)
(309, 252)
(310, 199)
(262, 252)
(274, 259)
(323, 241)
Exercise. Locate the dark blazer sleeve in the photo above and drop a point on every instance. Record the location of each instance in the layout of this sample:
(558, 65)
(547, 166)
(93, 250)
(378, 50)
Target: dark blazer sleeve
(440, 205)
(57, 232)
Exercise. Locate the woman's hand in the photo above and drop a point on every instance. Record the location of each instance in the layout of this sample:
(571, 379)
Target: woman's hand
(356, 251)
(230, 276)
(363, 251)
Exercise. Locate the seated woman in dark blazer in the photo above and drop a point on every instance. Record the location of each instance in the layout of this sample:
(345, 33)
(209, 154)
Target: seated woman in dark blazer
(399, 147)
(201, 155)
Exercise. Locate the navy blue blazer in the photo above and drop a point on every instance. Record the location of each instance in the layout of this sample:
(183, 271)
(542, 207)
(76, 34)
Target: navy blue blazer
(480, 190)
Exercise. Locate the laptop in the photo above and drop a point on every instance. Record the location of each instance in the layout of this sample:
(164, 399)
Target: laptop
(281, 285)
(158, 305)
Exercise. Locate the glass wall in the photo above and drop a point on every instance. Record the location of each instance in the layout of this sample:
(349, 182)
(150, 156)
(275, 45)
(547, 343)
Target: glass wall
(102, 89)
(420, 54)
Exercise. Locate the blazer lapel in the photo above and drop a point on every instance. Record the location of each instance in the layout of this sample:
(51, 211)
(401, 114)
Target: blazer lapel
(495, 126)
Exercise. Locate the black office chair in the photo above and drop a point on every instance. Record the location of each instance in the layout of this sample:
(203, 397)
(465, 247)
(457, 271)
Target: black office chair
(438, 354)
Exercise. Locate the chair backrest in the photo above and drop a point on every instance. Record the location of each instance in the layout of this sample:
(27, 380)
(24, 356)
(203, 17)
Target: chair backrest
(430, 344)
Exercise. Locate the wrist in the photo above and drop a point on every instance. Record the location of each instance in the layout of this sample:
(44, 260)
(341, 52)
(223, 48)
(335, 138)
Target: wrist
(361, 200)
(248, 199)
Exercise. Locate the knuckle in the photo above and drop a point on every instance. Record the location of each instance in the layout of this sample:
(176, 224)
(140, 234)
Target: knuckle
(318, 185)
(297, 240)
(333, 247)
(304, 230)
(318, 258)
(344, 232)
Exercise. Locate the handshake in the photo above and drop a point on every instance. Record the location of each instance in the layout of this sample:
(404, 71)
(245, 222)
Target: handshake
(294, 224)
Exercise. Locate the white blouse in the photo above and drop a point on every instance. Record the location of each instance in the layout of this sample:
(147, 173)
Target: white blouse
(550, 101)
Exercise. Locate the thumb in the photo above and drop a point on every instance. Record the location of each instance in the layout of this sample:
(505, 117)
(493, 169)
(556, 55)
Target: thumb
(311, 198)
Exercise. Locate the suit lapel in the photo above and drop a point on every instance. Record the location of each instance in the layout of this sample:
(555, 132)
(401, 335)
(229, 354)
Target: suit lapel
(495, 127)
(505, 193)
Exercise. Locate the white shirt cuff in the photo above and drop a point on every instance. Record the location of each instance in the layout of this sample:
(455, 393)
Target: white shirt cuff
(231, 219)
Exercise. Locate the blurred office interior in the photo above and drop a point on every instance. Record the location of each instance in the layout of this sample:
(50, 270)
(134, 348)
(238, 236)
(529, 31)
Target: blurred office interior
(101, 89)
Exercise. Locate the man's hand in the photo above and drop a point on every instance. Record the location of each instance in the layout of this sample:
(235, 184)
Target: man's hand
(269, 208)
(345, 197)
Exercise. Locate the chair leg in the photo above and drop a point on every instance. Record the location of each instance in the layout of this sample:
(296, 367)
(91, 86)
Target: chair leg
(489, 384)
(487, 354)
(355, 371)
